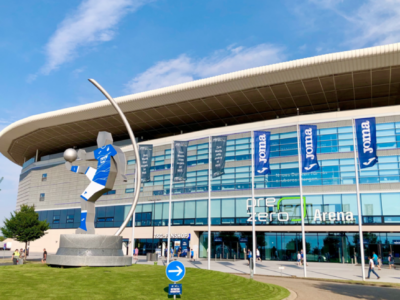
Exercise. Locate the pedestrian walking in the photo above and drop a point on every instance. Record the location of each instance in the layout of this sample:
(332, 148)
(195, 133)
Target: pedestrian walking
(136, 253)
(165, 253)
(258, 255)
(371, 267)
(298, 258)
(375, 258)
(302, 257)
(21, 253)
(192, 255)
(249, 255)
(44, 256)
(391, 260)
(15, 257)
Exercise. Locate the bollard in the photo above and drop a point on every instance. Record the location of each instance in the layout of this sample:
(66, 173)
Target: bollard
(251, 268)
(215, 257)
(234, 257)
(352, 261)
(227, 256)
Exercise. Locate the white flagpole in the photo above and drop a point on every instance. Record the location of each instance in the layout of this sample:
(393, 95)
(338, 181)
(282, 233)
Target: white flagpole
(209, 203)
(358, 204)
(303, 235)
(253, 203)
(170, 203)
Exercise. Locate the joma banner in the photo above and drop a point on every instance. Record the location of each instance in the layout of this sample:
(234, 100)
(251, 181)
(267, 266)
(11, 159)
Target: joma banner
(261, 152)
(218, 155)
(180, 161)
(308, 144)
(366, 142)
(146, 153)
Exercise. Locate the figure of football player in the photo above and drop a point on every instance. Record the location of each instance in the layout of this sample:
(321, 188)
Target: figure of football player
(111, 164)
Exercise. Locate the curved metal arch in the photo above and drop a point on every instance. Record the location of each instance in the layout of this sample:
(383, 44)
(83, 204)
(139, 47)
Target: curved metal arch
(135, 148)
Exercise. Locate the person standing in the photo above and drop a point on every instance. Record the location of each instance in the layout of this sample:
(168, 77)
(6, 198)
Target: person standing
(137, 253)
(391, 260)
(15, 257)
(371, 267)
(44, 256)
(192, 255)
(249, 254)
(258, 255)
(375, 258)
(298, 258)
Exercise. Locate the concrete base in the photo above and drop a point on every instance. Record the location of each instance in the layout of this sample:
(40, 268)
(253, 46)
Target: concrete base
(89, 250)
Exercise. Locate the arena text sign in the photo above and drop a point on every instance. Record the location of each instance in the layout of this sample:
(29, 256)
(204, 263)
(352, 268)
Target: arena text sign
(284, 216)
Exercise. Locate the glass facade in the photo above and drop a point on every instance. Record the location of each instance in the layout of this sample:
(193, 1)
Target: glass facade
(377, 208)
(336, 247)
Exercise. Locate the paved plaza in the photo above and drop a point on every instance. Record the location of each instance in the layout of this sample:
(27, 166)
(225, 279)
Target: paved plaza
(271, 268)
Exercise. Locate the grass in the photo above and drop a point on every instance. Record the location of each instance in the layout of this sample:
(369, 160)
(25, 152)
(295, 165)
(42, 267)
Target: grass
(37, 281)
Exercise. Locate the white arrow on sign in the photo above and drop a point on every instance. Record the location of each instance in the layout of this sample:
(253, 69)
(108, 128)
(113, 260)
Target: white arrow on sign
(179, 271)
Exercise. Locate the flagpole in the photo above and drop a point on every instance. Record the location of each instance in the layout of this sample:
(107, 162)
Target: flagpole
(358, 205)
(253, 203)
(170, 203)
(209, 203)
(303, 235)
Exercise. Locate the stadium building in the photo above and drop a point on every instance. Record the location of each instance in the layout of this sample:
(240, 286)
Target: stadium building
(328, 91)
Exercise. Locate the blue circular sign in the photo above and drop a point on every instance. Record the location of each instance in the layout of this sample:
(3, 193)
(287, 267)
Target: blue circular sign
(175, 271)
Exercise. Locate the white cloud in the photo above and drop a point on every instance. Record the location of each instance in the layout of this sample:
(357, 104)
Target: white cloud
(379, 22)
(375, 22)
(184, 68)
(93, 22)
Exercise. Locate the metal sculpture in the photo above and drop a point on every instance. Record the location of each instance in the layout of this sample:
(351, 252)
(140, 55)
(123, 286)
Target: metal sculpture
(111, 164)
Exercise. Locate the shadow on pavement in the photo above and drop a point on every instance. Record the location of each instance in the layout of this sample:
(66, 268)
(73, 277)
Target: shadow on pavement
(228, 265)
(359, 291)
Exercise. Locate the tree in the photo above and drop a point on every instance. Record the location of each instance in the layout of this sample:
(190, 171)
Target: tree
(24, 226)
(2, 238)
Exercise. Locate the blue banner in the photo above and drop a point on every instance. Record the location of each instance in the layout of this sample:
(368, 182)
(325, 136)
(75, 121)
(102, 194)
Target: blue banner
(366, 142)
(308, 144)
(261, 152)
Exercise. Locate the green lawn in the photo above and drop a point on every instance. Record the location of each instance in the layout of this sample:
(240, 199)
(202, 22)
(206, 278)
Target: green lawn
(35, 281)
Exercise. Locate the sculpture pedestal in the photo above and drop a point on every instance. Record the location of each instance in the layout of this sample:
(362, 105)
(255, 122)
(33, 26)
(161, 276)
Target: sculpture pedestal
(78, 250)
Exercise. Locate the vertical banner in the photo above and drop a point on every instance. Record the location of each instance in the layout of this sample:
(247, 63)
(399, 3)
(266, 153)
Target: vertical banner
(218, 155)
(261, 152)
(366, 142)
(180, 161)
(146, 154)
(308, 144)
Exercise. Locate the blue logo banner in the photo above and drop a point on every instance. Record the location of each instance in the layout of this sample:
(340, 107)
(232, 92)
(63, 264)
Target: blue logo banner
(261, 152)
(366, 142)
(308, 144)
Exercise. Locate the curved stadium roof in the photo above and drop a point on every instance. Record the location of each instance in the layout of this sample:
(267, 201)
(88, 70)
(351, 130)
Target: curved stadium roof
(348, 80)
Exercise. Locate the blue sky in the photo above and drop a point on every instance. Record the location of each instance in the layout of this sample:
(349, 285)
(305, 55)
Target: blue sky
(49, 48)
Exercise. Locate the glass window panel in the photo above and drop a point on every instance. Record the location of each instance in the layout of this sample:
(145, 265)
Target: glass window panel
(190, 209)
(292, 134)
(147, 207)
(241, 208)
(165, 213)
(203, 146)
(201, 209)
(177, 210)
(327, 131)
(205, 172)
(332, 203)
(390, 204)
(289, 165)
(158, 211)
(228, 208)
(349, 203)
(215, 208)
(385, 132)
(385, 139)
(388, 166)
(371, 204)
(345, 129)
(243, 141)
(384, 126)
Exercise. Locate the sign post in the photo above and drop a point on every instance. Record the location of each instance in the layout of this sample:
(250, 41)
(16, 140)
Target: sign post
(175, 272)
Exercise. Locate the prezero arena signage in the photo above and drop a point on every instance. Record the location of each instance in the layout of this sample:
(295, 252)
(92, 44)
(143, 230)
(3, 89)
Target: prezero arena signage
(284, 216)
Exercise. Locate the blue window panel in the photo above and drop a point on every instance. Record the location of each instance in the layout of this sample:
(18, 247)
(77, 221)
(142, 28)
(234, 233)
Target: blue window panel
(274, 148)
(243, 180)
(241, 152)
(227, 187)
(230, 142)
(167, 151)
(130, 190)
(387, 146)
(230, 148)
(346, 161)
(203, 146)
(369, 173)
(388, 172)
(384, 126)
(202, 151)
(388, 166)
(331, 181)
(388, 159)
(386, 139)
(387, 179)
(345, 142)
(131, 162)
(203, 156)
(345, 136)
(202, 188)
(389, 132)
(242, 147)
(276, 154)
(369, 180)
(242, 157)
(243, 141)
(345, 129)
(346, 148)
(192, 158)
(292, 134)
(330, 168)
(289, 152)
(348, 180)
(347, 168)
